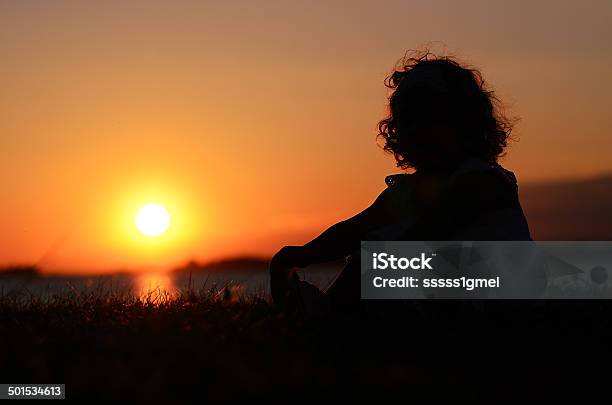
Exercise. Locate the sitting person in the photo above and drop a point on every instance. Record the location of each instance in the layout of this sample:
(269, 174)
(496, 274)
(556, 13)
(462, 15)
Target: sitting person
(447, 127)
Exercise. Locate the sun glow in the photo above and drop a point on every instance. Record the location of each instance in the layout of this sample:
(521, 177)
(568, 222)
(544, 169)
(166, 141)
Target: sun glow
(152, 220)
(128, 226)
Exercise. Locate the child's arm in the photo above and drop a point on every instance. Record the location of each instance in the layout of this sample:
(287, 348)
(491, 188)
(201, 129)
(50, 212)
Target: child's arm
(339, 240)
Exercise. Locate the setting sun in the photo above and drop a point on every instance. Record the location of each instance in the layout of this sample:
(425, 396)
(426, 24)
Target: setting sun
(152, 220)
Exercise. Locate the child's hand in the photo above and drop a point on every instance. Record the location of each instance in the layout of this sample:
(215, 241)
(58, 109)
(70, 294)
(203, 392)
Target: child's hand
(286, 258)
(283, 276)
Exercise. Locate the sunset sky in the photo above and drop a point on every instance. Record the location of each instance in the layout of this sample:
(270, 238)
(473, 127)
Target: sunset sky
(254, 123)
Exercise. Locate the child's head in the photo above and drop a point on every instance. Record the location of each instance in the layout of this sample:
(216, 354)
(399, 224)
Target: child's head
(440, 113)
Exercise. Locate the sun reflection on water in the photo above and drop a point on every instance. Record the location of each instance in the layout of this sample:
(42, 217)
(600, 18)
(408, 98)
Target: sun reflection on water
(155, 287)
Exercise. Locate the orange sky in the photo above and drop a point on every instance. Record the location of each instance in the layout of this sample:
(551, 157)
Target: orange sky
(254, 122)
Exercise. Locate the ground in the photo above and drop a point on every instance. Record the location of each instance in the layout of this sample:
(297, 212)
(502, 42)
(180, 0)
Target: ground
(212, 346)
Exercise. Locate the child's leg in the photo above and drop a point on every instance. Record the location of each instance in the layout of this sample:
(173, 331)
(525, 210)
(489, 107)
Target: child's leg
(345, 291)
(294, 295)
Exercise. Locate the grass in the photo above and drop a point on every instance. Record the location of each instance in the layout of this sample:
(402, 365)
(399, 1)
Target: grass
(216, 345)
(206, 343)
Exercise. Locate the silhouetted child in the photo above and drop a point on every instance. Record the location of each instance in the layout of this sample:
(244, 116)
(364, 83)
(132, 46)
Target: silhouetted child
(450, 129)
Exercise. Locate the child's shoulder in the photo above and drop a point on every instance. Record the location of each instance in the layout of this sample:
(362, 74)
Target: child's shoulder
(489, 188)
(485, 176)
(473, 174)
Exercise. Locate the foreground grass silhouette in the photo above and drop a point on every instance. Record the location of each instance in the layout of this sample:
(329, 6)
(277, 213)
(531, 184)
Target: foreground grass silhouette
(213, 345)
(210, 344)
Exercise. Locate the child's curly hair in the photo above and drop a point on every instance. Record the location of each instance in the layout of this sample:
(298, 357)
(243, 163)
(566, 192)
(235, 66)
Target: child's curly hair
(460, 98)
